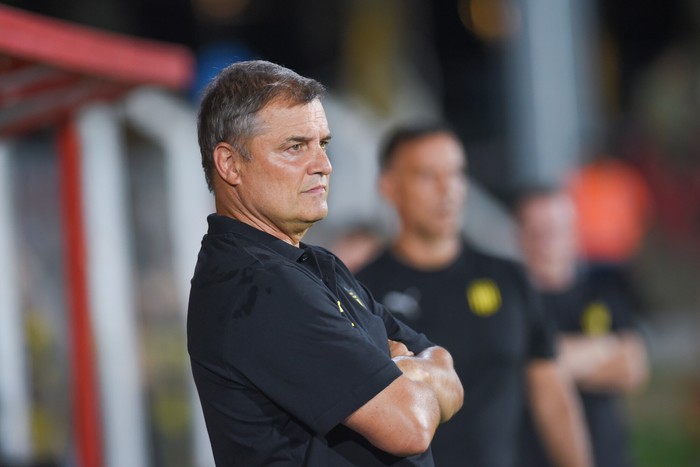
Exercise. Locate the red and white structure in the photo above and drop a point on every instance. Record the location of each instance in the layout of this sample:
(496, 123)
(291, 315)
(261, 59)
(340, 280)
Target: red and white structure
(87, 84)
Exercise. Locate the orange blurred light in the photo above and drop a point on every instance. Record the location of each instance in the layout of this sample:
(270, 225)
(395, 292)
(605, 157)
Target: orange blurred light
(489, 19)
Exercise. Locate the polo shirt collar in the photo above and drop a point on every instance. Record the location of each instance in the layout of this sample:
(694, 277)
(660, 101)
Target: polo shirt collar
(219, 225)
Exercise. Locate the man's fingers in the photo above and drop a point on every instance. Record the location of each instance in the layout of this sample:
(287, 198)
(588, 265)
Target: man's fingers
(398, 349)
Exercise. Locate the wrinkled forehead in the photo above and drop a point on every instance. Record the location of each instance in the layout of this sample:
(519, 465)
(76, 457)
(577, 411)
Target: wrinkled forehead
(285, 117)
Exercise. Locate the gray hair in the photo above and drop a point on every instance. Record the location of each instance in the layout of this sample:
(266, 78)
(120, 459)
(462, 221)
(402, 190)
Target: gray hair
(231, 101)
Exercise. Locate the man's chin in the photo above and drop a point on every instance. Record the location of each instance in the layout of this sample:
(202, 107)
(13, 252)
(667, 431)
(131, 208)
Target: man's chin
(319, 216)
(447, 230)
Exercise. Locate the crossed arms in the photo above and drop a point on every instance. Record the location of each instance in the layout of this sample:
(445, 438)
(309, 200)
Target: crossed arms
(402, 418)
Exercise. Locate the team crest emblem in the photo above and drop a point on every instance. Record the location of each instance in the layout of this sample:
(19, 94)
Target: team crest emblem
(484, 297)
(596, 319)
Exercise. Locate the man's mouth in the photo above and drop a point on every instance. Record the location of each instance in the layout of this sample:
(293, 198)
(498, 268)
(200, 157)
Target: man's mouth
(318, 189)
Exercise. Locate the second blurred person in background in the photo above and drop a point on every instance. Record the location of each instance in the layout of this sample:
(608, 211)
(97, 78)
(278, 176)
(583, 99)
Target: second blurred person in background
(600, 345)
(479, 306)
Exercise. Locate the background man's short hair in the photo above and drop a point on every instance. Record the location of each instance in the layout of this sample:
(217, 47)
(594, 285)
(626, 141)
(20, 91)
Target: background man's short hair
(406, 132)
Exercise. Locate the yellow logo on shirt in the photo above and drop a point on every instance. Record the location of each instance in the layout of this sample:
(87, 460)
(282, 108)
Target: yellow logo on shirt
(342, 312)
(484, 297)
(596, 319)
(356, 297)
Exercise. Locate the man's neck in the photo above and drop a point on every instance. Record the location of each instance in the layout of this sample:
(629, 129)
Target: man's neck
(427, 253)
(553, 278)
(293, 237)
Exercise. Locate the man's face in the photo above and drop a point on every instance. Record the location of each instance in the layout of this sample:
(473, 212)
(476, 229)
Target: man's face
(285, 184)
(548, 231)
(427, 185)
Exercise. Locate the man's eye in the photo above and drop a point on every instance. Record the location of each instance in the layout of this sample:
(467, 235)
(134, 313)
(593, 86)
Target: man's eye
(295, 147)
(324, 144)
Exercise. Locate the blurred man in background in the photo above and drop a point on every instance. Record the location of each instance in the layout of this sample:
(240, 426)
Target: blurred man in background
(479, 306)
(600, 345)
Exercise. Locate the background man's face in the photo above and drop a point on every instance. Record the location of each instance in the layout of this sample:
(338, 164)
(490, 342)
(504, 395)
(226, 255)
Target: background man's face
(427, 185)
(548, 231)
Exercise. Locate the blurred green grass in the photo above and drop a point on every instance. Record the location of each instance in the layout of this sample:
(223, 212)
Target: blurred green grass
(665, 419)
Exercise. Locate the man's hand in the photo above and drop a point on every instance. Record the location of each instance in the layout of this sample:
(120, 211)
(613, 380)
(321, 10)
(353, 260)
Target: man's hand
(411, 368)
(434, 367)
(399, 349)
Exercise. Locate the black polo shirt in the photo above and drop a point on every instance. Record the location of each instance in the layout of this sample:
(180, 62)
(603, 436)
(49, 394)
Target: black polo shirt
(484, 311)
(284, 345)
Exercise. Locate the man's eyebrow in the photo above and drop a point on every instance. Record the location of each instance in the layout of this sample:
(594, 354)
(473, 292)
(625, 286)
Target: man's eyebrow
(304, 139)
(294, 139)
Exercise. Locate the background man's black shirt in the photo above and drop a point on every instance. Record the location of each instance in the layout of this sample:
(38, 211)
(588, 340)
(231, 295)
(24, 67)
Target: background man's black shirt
(483, 310)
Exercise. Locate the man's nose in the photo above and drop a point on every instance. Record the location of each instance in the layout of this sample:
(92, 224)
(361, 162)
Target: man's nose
(321, 163)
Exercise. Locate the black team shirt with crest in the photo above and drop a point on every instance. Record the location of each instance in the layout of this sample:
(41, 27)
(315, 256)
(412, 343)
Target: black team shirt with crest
(483, 310)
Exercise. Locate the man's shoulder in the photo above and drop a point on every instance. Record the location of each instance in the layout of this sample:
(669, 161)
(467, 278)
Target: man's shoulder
(235, 249)
(231, 257)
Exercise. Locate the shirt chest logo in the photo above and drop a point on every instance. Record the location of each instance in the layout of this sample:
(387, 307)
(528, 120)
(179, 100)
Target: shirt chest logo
(404, 303)
(483, 297)
(356, 297)
(596, 319)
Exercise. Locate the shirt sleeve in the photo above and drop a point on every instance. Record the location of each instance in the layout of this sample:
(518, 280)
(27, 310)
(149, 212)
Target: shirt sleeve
(541, 331)
(288, 337)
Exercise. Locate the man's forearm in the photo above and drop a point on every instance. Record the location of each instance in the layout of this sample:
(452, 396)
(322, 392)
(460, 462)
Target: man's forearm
(558, 415)
(564, 438)
(606, 363)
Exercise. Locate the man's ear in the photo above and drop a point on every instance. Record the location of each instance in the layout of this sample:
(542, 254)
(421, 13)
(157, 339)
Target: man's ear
(227, 163)
(386, 186)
